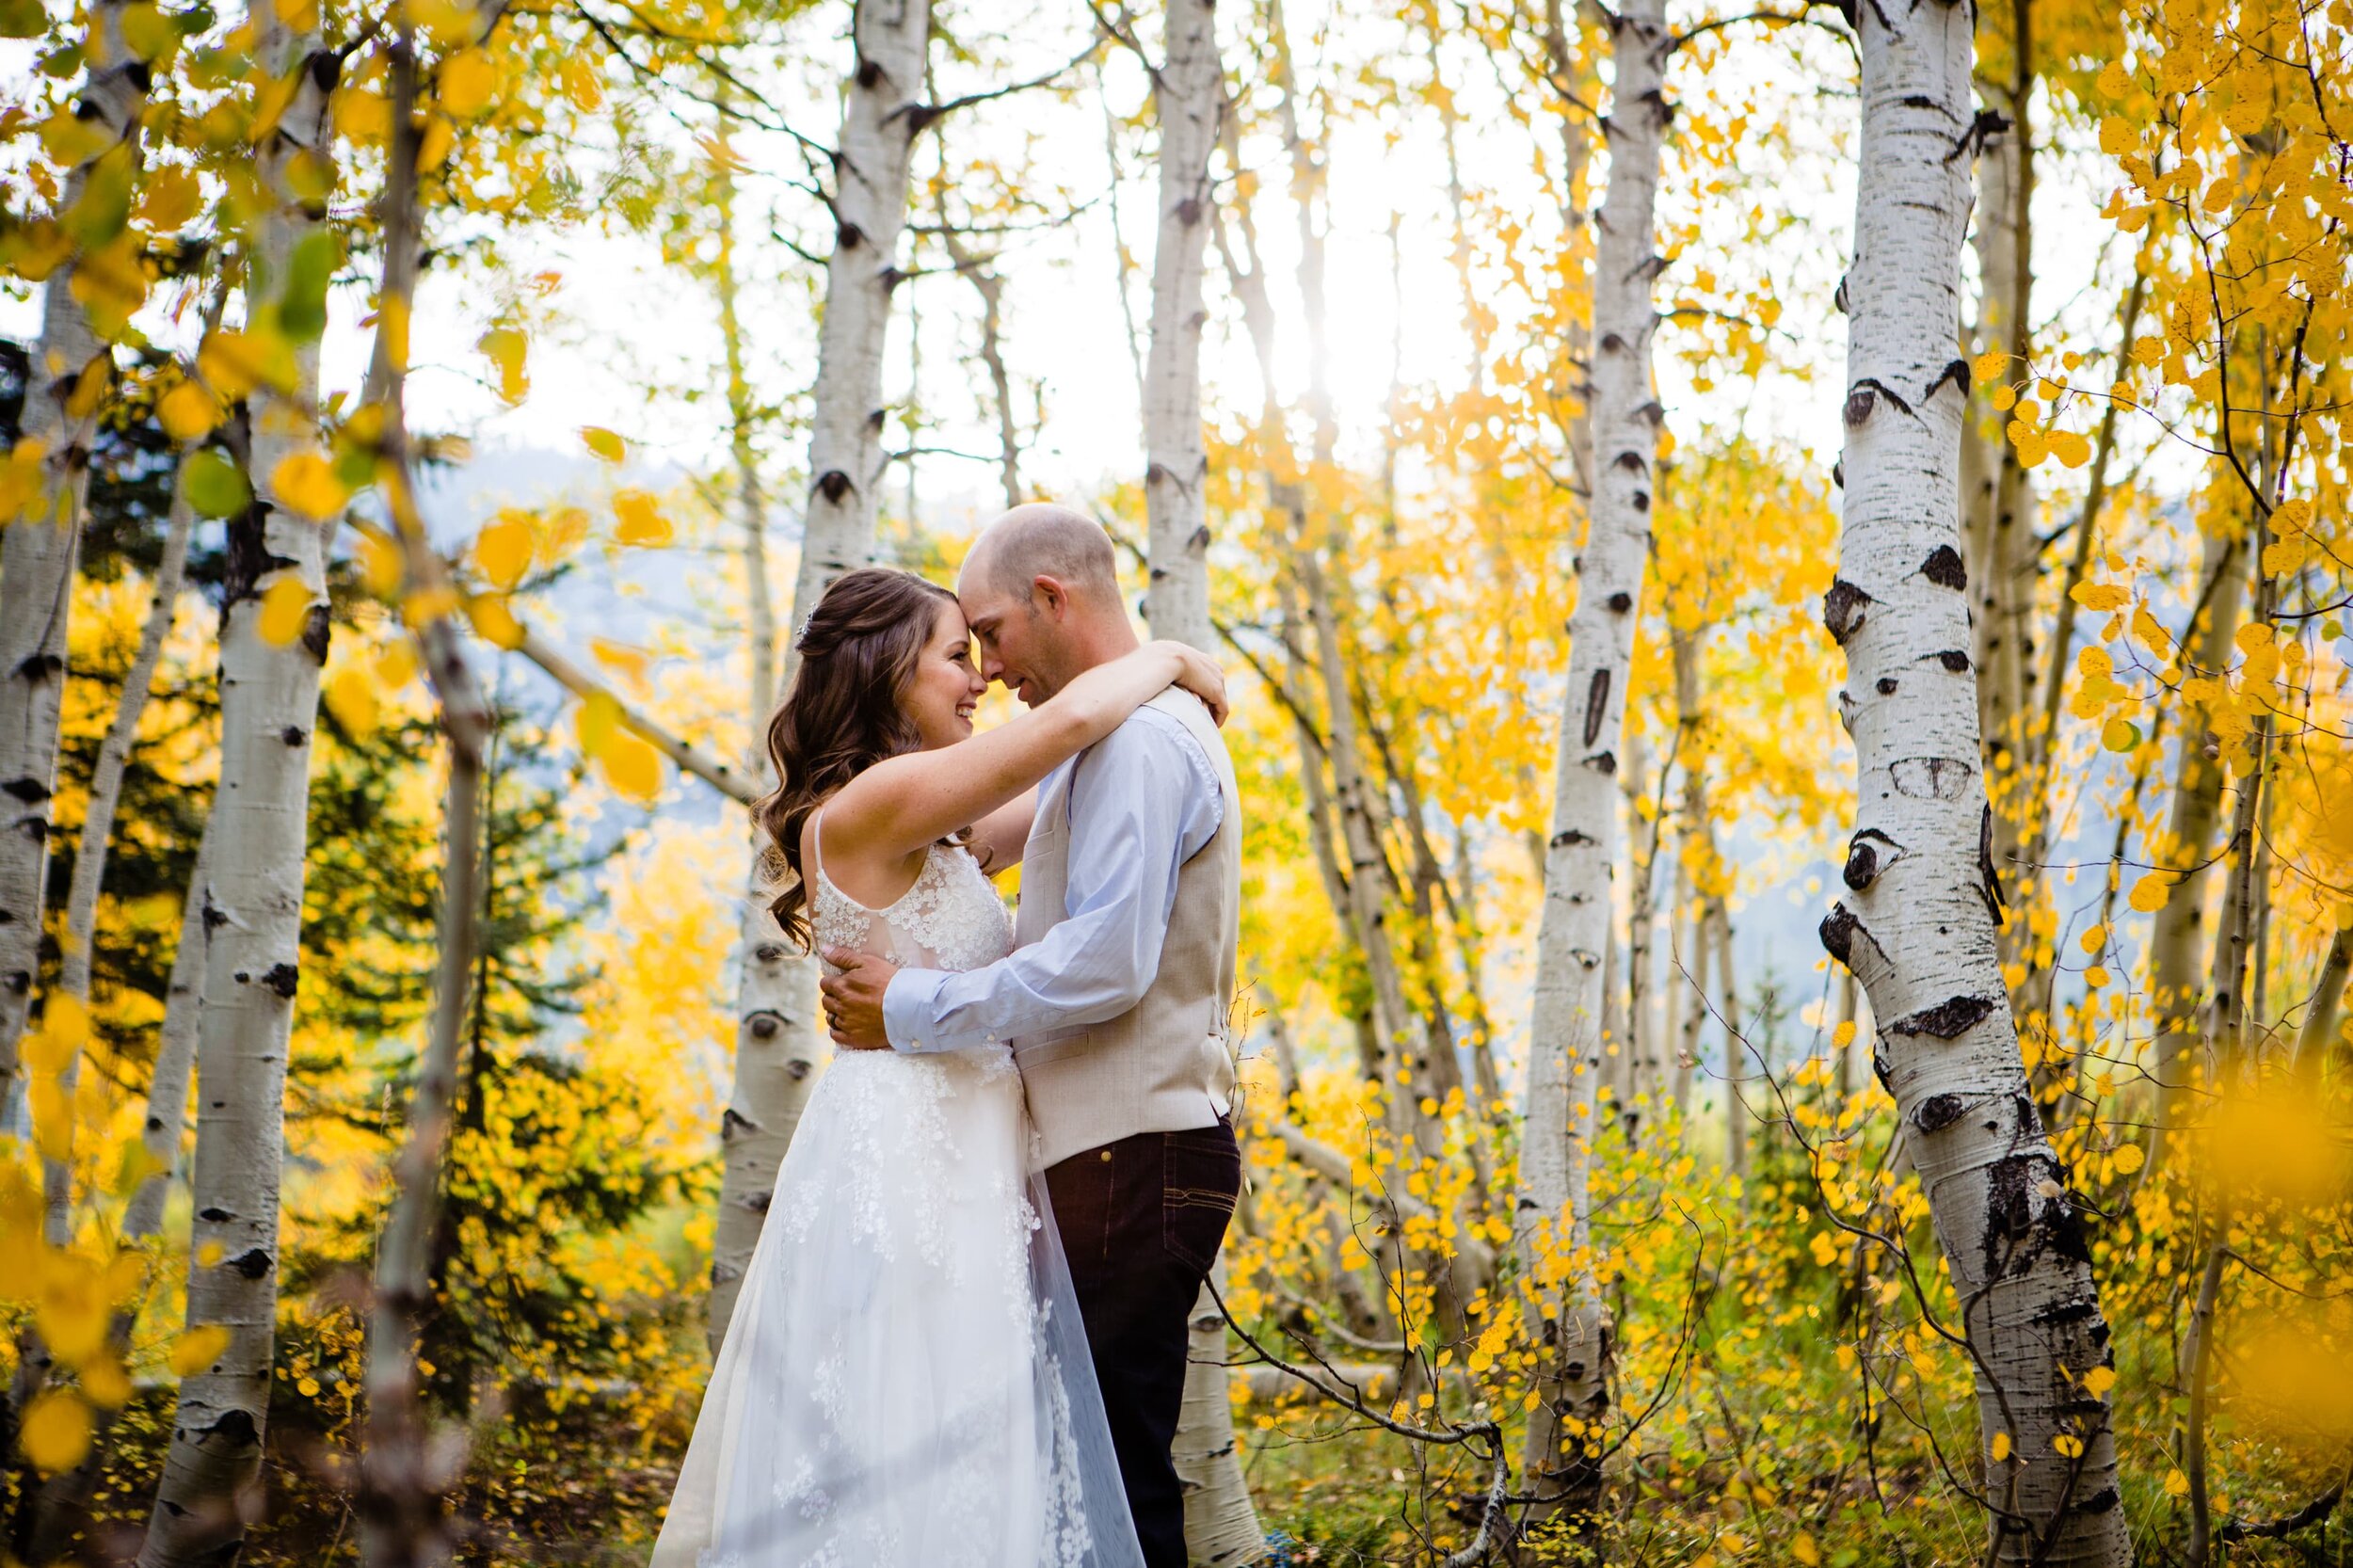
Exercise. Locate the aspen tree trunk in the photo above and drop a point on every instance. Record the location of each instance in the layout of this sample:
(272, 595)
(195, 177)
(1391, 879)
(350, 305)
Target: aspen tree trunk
(1551, 1228)
(1696, 869)
(98, 821)
(778, 1043)
(68, 379)
(980, 272)
(61, 1513)
(2001, 510)
(2314, 1041)
(62, 1495)
(1738, 1064)
(2177, 933)
(252, 896)
(403, 1473)
(1691, 994)
(1188, 97)
(1917, 925)
(1639, 1071)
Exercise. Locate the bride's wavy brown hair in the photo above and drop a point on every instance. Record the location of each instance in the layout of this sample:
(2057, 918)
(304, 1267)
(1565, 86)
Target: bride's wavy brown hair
(842, 714)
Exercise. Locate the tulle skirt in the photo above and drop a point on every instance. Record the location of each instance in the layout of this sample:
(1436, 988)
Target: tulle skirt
(905, 1381)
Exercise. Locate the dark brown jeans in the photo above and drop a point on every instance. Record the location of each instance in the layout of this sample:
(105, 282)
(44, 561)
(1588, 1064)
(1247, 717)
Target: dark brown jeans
(1141, 1221)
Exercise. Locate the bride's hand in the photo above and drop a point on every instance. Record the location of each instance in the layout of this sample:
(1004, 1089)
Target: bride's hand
(1199, 674)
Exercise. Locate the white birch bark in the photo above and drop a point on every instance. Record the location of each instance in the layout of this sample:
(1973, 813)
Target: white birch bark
(1917, 925)
(252, 896)
(38, 549)
(1551, 1227)
(89, 861)
(1188, 97)
(2177, 933)
(778, 1043)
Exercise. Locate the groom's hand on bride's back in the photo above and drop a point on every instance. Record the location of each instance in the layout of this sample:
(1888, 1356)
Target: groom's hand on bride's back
(853, 1000)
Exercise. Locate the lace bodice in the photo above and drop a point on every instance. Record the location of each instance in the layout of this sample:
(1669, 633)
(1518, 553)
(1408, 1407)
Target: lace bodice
(951, 918)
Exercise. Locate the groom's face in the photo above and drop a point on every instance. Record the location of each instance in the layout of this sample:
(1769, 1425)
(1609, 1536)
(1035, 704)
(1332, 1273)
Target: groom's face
(1020, 634)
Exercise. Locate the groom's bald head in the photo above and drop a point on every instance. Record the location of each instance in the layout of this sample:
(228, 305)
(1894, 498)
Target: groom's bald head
(1041, 592)
(1041, 540)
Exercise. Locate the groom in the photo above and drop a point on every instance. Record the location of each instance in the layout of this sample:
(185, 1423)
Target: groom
(1115, 998)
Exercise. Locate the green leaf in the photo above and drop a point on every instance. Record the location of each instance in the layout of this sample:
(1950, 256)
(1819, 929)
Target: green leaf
(22, 19)
(215, 485)
(302, 308)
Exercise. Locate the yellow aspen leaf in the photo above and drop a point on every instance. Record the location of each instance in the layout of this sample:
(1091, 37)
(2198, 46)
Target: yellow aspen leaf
(494, 622)
(170, 198)
(604, 443)
(1804, 1550)
(2120, 734)
(2176, 1484)
(188, 411)
(351, 698)
(2099, 597)
(2001, 1447)
(508, 348)
(2067, 1446)
(199, 1347)
(381, 565)
(597, 721)
(285, 611)
(633, 767)
(2099, 1380)
(2117, 136)
(306, 483)
(56, 1431)
(468, 78)
(2094, 939)
(2127, 1159)
(2150, 892)
(2112, 81)
(2292, 517)
(427, 606)
(620, 657)
(1988, 367)
(392, 329)
(581, 84)
(1843, 1036)
(397, 664)
(503, 551)
(433, 148)
(104, 1381)
(2282, 556)
(640, 522)
(2070, 448)
(2146, 351)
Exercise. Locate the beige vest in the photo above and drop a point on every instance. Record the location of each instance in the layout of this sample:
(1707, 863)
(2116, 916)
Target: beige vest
(1166, 1064)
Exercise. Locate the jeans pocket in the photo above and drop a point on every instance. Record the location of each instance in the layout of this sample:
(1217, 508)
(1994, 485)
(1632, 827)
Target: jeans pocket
(1200, 1176)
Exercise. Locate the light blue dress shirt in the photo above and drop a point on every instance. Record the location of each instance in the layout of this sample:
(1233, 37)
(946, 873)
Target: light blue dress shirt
(1143, 802)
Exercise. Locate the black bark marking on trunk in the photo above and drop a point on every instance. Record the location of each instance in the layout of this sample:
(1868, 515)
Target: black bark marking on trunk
(1990, 885)
(282, 979)
(1840, 930)
(235, 1427)
(32, 792)
(214, 1216)
(1568, 836)
(1620, 602)
(1957, 372)
(833, 484)
(1945, 569)
(1863, 857)
(1952, 659)
(1843, 610)
(1937, 1112)
(1932, 777)
(1885, 685)
(1947, 1020)
(2100, 1501)
(1596, 705)
(317, 630)
(249, 558)
(2021, 1222)
(1838, 473)
(1606, 764)
(1630, 460)
(252, 1264)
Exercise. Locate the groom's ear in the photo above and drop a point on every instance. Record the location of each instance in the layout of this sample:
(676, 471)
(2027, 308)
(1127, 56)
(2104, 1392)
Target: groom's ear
(1049, 595)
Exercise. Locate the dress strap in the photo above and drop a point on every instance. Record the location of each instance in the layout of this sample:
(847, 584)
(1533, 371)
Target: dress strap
(816, 845)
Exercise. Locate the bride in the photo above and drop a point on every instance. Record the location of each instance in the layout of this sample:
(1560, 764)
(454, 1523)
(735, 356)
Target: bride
(905, 1381)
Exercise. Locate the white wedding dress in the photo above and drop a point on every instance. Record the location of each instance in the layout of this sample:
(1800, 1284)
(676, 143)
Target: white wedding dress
(905, 1381)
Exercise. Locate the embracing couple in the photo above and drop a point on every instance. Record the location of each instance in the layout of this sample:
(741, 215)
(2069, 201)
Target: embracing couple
(962, 1338)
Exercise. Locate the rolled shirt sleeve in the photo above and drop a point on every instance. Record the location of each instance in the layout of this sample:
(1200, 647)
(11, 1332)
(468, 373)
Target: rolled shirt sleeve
(1142, 801)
